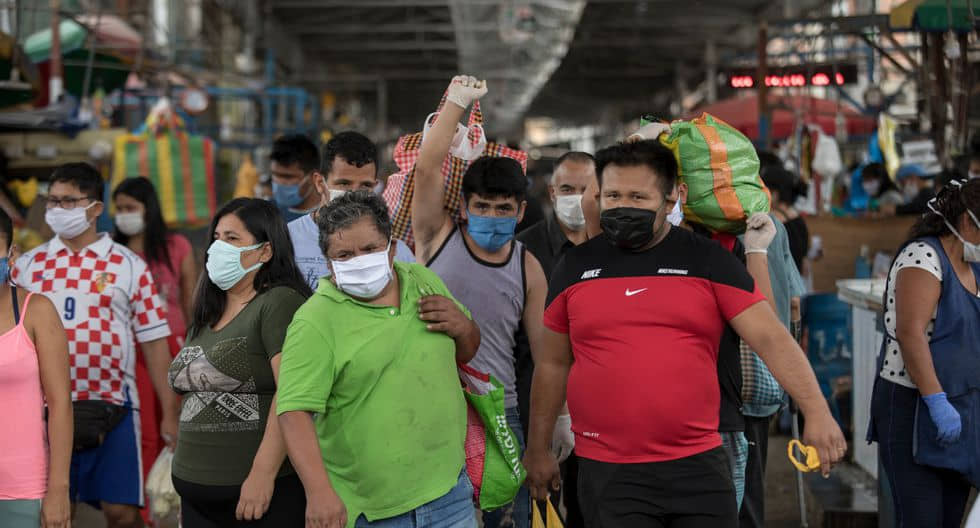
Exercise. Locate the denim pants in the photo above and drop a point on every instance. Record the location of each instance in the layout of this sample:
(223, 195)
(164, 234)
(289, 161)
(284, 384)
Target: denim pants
(517, 513)
(452, 510)
(924, 497)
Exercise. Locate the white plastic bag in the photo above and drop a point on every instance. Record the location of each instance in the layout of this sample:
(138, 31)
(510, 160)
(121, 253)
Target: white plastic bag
(826, 157)
(162, 500)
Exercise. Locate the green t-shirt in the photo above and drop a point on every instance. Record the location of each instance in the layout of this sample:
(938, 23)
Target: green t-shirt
(389, 410)
(227, 383)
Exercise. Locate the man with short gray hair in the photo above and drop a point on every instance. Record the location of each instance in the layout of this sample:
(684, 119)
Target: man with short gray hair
(368, 398)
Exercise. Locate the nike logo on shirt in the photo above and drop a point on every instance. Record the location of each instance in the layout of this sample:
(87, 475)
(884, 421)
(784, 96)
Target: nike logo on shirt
(634, 292)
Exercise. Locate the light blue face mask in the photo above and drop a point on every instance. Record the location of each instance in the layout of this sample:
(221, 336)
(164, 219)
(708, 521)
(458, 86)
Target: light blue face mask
(225, 263)
(491, 232)
(287, 195)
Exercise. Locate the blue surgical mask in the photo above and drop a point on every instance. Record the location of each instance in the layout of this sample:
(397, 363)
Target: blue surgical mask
(4, 270)
(287, 195)
(225, 263)
(491, 232)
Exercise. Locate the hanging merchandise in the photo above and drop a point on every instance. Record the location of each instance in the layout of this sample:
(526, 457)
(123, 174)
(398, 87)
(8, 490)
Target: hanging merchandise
(246, 179)
(721, 169)
(887, 144)
(826, 157)
(180, 165)
(401, 185)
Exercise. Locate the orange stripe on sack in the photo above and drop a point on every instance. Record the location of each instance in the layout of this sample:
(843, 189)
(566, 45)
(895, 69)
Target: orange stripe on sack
(722, 173)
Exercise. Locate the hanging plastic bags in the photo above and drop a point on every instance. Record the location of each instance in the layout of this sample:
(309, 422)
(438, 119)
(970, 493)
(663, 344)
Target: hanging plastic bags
(493, 456)
(180, 165)
(162, 500)
(721, 169)
(826, 157)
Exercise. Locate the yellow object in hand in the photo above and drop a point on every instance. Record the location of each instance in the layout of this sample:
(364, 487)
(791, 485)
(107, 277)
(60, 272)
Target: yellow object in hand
(812, 458)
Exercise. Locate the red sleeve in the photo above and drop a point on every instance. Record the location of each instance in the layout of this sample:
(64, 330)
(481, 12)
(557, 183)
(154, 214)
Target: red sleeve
(733, 300)
(556, 314)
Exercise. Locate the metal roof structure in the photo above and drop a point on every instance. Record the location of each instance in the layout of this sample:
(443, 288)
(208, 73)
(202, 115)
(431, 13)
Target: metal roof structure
(574, 60)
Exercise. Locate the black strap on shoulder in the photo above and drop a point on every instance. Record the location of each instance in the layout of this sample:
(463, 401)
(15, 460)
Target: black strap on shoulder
(16, 305)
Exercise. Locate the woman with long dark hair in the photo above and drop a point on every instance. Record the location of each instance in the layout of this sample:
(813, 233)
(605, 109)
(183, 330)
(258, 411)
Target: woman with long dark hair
(140, 227)
(927, 391)
(230, 465)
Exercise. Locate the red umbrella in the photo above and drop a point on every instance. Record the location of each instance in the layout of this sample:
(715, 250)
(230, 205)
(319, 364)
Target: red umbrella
(743, 114)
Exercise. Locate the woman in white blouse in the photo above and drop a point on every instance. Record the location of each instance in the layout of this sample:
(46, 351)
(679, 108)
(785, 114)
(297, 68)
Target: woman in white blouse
(927, 395)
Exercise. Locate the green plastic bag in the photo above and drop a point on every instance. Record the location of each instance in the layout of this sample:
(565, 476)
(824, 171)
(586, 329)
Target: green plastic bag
(721, 169)
(493, 455)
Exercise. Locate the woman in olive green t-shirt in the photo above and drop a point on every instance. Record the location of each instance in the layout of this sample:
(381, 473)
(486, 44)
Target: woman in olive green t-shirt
(230, 464)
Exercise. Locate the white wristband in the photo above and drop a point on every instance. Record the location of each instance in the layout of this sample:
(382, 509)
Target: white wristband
(762, 251)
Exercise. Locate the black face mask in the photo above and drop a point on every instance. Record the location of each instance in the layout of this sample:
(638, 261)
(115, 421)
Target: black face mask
(629, 227)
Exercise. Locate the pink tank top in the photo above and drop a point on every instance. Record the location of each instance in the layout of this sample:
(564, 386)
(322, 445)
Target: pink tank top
(23, 438)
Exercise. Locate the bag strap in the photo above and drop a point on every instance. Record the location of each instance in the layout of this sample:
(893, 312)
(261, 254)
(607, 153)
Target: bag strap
(16, 306)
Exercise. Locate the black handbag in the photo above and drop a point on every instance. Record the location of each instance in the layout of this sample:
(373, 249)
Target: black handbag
(94, 420)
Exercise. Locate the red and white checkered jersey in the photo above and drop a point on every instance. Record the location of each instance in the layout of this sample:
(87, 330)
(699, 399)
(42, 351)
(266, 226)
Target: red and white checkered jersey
(107, 301)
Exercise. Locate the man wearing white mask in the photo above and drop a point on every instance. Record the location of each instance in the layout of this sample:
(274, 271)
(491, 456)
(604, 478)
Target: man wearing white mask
(369, 398)
(547, 240)
(108, 302)
(349, 163)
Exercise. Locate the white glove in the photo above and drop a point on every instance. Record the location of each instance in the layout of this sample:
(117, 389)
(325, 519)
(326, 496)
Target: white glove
(563, 439)
(759, 233)
(649, 131)
(464, 89)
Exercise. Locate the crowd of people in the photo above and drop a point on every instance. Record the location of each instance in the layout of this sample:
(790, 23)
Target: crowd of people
(308, 375)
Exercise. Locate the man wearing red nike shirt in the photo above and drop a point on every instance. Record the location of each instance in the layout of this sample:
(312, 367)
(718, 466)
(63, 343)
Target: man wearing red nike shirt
(641, 309)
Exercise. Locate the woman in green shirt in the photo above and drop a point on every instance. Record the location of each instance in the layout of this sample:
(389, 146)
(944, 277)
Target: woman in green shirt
(230, 465)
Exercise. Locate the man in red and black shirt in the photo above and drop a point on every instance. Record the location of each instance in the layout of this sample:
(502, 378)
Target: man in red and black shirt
(641, 309)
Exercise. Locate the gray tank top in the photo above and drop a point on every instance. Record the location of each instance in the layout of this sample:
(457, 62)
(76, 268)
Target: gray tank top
(494, 294)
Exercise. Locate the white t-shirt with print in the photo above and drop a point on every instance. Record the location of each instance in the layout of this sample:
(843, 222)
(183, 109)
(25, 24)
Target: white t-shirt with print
(916, 255)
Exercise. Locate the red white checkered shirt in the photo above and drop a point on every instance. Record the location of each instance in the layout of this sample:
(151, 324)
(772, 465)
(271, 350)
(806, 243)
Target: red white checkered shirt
(107, 301)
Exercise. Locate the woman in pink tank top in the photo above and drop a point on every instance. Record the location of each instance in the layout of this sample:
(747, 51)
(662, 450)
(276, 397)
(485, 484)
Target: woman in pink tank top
(34, 460)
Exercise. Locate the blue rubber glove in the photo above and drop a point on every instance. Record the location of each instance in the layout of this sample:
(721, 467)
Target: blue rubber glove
(945, 417)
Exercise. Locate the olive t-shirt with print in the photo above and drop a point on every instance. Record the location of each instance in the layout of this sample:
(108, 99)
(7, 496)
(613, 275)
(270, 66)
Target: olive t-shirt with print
(227, 384)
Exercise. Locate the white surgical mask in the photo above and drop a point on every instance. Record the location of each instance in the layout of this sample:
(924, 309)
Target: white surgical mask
(130, 224)
(336, 193)
(676, 215)
(68, 223)
(872, 187)
(364, 277)
(568, 208)
(225, 263)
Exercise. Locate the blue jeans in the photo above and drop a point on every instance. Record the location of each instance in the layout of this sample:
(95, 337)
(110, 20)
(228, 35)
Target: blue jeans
(453, 510)
(517, 513)
(923, 496)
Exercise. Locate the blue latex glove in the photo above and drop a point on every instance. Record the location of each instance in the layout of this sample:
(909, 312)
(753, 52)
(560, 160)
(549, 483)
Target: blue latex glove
(945, 417)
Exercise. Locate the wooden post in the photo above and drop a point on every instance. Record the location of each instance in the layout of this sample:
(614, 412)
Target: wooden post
(56, 81)
(760, 86)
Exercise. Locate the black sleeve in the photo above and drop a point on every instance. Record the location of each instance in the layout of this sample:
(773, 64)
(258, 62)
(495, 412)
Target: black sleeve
(560, 279)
